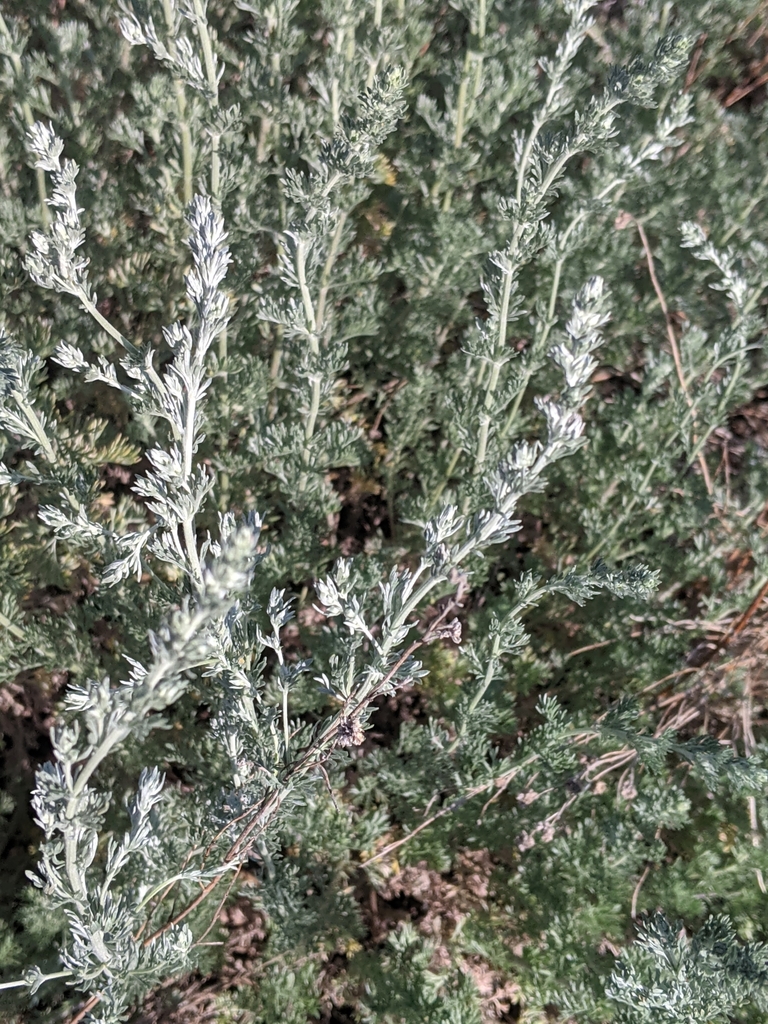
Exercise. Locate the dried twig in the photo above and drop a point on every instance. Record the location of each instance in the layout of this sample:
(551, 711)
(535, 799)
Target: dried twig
(672, 341)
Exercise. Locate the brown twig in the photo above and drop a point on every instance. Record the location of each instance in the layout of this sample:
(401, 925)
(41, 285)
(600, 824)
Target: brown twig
(85, 1009)
(691, 75)
(744, 90)
(665, 679)
(397, 386)
(636, 893)
(743, 621)
(222, 901)
(672, 341)
(589, 647)
(501, 781)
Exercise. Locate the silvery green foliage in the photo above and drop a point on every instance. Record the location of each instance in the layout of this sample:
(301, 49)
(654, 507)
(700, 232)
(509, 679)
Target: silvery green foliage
(299, 452)
(433, 249)
(175, 488)
(271, 755)
(671, 978)
(104, 952)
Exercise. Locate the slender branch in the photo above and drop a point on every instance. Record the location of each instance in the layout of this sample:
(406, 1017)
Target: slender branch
(672, 341)
(501, 780)
(213, 88)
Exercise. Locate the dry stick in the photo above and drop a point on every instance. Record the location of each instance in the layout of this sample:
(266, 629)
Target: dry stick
(589, 647)
(183, 913)
(690, 77)
(738, 94)
(665, 679)
(502, 780)
(672, 340)
(502, 788)
(222, 901)
(300, 764)
(743, 621)
(86, 1009)
(636, 893)
(399, 385)
(749, 747)
(617, 762)
(734, 630)
(163, 895)
(620, 757)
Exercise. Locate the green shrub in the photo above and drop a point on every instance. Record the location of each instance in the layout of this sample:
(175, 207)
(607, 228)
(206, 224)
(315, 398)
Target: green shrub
(383, 509)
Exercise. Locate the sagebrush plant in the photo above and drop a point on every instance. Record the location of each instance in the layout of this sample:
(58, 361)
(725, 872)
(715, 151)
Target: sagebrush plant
(373, 513)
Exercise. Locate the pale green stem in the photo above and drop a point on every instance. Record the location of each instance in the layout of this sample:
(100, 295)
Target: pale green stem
(190, 542)
(728, 391)
(265, 126)
(170, 881)
(16, 984)
(539, 120)
(415, 600)
(29, 119)
(555, 289)
(689, 414)
(181, 106)
(186, 149)
(45, 213)
(526, 155)
(485, 421)
(76, 880)
(328, 269)
(758, 198)
(306, 298)
(461, 102)
(664, 19)
(261, 146)
(480, 690)
(493, 660)
(4, 175)
(286, 730)
(754, 298)
(314, 344)
(41, 981)
(15, 630)
(373, 65)
(311, 423)
(188, 525)
(515, 409)
(274, 369)
(448, 473)
(119, 338)
(106, 325)
(550, 177)
(335, 103)
(213, 88)
(338, 45)
(37, 428)
(478, 57)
